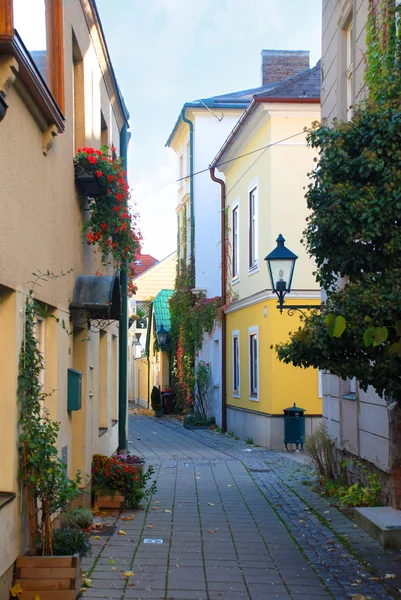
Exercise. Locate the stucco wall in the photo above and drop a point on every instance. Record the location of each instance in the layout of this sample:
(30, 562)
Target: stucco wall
(40, 230)
(360, 426)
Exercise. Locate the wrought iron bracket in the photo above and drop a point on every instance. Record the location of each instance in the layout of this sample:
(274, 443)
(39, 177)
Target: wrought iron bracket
(291, 308)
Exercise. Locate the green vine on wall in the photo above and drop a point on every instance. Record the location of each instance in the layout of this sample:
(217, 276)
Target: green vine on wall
(354, 228)
(191, 317)
(47, 489)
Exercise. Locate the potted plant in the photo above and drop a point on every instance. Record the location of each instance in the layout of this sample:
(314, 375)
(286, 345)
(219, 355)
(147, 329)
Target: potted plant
(109, 226)
(156, 401)
(47, 489)
(79, 518)
(119, 481)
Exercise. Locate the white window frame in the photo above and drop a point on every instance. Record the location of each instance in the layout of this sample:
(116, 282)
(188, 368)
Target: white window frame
(349, 65)
(253, 391)
(236, 391)
(235, 242)
(253, 192)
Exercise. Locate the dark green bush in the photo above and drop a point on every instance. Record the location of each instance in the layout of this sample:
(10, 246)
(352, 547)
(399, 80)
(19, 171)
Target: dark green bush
(67, 542)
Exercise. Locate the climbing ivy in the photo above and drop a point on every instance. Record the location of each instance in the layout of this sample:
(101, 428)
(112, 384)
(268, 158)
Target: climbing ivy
(354, 229)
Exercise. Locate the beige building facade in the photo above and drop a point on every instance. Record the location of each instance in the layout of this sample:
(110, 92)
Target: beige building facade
(360, 422)
(42, 213)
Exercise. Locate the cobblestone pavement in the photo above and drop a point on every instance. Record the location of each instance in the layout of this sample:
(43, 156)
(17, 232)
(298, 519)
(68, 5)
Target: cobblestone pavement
(236, 522)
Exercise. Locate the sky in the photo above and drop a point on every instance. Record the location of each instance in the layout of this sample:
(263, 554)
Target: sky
(168, 52)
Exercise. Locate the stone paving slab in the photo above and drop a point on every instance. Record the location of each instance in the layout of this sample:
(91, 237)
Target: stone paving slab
(235, 530)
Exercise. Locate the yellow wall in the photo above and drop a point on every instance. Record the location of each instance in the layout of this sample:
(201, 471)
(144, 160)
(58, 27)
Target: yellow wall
(159, 277)
(280, 385)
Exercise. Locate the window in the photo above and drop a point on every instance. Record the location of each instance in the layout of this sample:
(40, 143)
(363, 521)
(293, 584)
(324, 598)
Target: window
(38, 47)
(253, 363)
(236, 364)
(253, 259)
(349, 66)
(235, 241)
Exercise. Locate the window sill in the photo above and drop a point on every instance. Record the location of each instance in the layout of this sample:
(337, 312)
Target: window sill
(253, 270)
(235, 280)
(236, 395)
(31, 87)
(114, 422)
(102, 431)
(253, 399)
(6, 498)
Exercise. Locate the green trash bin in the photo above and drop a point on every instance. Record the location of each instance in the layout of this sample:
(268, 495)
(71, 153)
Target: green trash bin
(294, 426)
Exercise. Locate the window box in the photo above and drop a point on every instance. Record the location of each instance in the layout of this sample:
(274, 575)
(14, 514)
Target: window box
(88, 182)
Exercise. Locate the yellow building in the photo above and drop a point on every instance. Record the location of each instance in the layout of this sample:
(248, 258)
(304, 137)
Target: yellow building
(41, 127)
(265, 162)
(143, 369)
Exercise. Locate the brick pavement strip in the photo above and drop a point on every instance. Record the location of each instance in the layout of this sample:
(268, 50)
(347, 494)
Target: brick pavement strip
(234, 531)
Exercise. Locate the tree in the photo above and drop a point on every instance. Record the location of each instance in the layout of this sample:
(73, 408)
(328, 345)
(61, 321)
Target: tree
(355, 227)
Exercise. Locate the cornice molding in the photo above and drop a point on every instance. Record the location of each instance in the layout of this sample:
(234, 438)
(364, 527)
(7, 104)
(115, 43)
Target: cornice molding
(266, 295)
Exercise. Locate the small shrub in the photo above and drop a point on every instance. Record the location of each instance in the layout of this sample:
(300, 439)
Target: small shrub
(79, 518)
(71, 541)
(360, 495)
(320, 449)
(249, 440)
(155, 398)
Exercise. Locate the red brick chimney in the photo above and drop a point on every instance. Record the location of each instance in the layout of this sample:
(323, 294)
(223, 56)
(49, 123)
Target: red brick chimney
(280, 64)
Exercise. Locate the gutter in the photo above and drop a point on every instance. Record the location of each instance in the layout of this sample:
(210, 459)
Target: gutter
(191, 189)
(123, 330)
(223, 299)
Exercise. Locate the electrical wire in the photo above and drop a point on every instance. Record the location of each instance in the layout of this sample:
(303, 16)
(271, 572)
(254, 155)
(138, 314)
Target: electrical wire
(220, 164)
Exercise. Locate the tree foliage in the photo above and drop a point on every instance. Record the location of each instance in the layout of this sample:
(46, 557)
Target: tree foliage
(354, 229)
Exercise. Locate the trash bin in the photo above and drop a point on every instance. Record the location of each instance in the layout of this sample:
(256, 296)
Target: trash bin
(294, 426)
(168, 399)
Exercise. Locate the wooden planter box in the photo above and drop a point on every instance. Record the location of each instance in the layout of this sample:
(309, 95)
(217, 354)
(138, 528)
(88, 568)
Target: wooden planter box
(116, 501)
(49, 577)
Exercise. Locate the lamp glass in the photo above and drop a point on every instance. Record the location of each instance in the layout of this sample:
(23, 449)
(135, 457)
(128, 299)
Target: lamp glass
(281, 271)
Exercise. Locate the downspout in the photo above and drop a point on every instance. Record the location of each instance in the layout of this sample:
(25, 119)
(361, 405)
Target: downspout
(223, 298)
(191, 189)
(123, 330)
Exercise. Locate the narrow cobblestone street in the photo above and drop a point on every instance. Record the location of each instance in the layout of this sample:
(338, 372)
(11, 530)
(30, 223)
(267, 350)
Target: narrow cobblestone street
(235, 521)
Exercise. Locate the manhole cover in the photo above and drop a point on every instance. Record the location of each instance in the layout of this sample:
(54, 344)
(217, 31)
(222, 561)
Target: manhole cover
(259, 470)
(106, 531)
(152, 541)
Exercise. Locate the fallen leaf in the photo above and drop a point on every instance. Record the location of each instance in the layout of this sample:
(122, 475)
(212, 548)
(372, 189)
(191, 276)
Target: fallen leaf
(82, 590)
(389, 576)
(196, 477)
(121, 532)
(128, 574)
(16, 590)
(210, 504)
(155, 508)
(130, 518)
(307, 508)
(97, 537)
(301, 520)
(231, 485)
(36, 597)
(330, 541)
(358, 597)
(157, 502)
(166, 510)
(212, 530)
(374, 578)
(86, 582)
(111, 561)
(150, 526)
(178, 566)
(113, 568)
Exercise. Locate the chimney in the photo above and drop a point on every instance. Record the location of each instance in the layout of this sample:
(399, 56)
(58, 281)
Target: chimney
(280, 64)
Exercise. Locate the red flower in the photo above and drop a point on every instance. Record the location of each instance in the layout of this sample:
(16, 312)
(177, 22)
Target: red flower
(110, 178)
(92, 160)
(113, 149)
(119, 197)
(103, 226)
(116, 208)
(99, 173)
(99, 152)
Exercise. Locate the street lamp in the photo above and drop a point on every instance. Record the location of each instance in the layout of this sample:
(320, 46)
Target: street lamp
(162, 337)
(281, 264)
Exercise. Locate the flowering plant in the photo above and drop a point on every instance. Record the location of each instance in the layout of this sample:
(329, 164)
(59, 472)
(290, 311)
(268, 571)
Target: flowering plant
(121, 474)
(110, 224)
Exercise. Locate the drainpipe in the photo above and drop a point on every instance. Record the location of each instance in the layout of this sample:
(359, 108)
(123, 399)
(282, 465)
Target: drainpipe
(191, 189)
(223, 298)
(123, 331)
